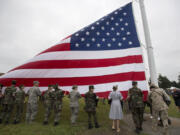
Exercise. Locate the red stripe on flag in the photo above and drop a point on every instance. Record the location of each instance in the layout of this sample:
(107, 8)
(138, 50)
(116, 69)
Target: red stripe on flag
(124, 94)
(136, 76)
(59, 47)
(91, 63)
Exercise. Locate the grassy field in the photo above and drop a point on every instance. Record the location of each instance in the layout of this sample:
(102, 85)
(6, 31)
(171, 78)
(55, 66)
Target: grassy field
(65, 128)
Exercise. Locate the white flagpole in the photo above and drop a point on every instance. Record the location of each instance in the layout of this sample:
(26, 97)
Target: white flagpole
(151, 61)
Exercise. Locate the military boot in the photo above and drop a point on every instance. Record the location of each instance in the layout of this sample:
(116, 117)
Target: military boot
(96, 125)
(56, 123)
(137, 131)
(45, 122)
(90, 126)
(15, 122)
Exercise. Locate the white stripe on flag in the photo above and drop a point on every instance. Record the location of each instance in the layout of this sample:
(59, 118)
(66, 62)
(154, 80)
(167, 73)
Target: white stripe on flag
(80, 55)
(75, 72)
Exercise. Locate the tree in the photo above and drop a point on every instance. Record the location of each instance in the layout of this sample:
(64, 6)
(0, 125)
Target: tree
(164, 82)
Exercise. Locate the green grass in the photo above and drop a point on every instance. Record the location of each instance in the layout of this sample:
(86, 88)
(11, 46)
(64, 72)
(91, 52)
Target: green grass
(65, 128)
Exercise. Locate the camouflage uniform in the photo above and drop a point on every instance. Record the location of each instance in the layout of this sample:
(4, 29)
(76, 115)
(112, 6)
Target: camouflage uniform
(58, 95)
(8, 103)
(136, 104)
(32, 106)
(48, 99)
(90, 107)
(74, 104)
(19, 104)
(159, 107)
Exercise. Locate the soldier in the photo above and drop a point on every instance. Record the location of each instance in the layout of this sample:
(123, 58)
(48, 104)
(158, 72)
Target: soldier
(90, 106)
(159, 107)
(135, 98)
(48, 99)
(8, 102)
(58, 93)
(19, 103)
(74, 96)
(32, 106)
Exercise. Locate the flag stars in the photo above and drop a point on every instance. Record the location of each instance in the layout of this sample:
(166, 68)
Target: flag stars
(128, 33)
(98, 45)
(88, 45)
(119, 44)
(82, 39)
(107, 33)
(112, 18)
(116, 13)
(109, 45)
(102, 28)
(130, 43)
(87, 33)
(98, 33)
(103, 39)
(107, 23)
(93, 39)
(124, 38)
(92, 28)
(77, 34)
(120, 19)
(77, 45)
(126, 24)
(117, 33)
(122, 29)
(112, 29)
(97, 23)
(113, 39)
(117, 24)
(102, 19)
(124, 13)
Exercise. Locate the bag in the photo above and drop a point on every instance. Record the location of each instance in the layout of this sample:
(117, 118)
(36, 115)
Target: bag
(168, 102)
(109, 101)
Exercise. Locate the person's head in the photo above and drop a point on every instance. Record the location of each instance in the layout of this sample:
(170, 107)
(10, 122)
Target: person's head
(50, 87)
(21, 87)
(56, 86)
(134, 84)
(1, 86)
(74, 87)
(153, 86)
(13, 82)
(115, 87)
(91, 88)
(36, 83)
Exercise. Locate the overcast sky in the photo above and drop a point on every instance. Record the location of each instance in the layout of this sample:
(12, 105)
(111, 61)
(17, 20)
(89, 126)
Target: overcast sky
(28, 27)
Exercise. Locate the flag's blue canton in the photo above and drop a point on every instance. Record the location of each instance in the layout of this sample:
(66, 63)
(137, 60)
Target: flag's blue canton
(114, 31)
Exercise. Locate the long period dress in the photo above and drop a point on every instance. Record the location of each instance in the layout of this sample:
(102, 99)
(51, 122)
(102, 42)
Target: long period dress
(116, 109)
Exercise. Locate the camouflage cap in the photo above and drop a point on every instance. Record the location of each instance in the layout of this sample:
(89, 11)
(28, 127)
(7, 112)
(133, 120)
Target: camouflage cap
(134, 83)
(1, 85)
(74, 87)
(36, 82)
(20, 86)
(91, 86)
(13, 82)
(153, 86)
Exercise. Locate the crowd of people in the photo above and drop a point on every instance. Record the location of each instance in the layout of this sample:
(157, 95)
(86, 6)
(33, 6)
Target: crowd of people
(53, 97)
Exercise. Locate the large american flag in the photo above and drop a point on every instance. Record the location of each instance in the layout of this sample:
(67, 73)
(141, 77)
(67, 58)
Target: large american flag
(103, 54)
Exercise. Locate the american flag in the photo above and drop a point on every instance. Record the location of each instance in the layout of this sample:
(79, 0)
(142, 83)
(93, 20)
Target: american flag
(103, 54)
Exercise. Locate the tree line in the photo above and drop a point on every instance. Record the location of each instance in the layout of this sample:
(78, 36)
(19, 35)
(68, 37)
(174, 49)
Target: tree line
(165, 83)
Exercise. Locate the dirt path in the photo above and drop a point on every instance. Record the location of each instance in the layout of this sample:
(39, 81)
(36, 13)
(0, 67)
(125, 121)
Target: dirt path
(174, 129)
